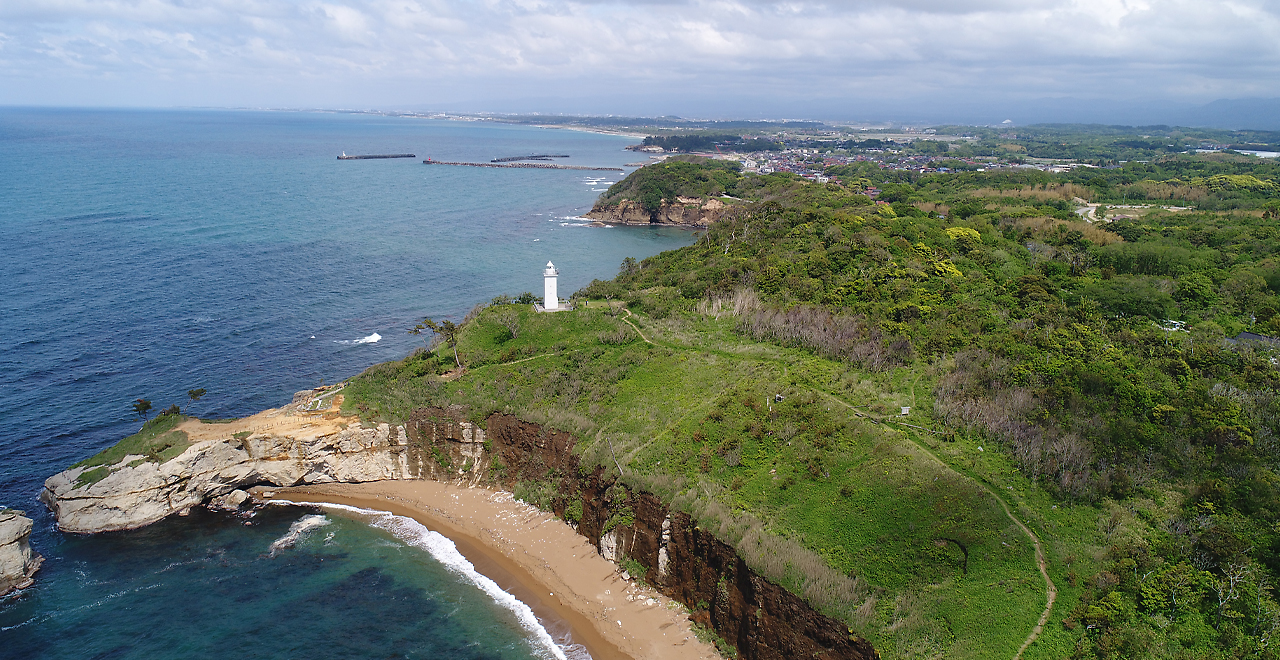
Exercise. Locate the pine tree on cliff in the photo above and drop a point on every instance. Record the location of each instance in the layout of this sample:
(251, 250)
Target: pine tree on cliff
(141, 407)
(195, 394)
(446, 330)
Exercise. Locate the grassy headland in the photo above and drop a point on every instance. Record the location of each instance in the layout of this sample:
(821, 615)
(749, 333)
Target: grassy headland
(1080, 378)
(1079, 370)
(155, 441)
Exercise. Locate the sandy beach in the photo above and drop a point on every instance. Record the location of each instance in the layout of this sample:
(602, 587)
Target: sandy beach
(536, 557)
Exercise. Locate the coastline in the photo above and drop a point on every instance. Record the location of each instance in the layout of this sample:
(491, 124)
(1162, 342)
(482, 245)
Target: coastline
(529, 552)
(588, 129)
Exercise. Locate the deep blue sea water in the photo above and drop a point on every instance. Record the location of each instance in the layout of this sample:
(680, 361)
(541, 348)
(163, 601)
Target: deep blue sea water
(146, 253)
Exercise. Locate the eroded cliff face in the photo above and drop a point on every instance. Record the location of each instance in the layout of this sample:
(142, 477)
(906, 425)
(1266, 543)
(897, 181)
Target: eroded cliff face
(17, 562)
(761, 619)
(684, 211)
(296, 445)
(280, 447)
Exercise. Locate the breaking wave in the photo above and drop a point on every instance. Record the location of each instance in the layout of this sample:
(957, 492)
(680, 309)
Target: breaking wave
(371, 339)
(296, 531)
(443, 550)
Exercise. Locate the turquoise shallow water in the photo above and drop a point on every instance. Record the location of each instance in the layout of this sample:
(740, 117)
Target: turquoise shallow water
(148, 253)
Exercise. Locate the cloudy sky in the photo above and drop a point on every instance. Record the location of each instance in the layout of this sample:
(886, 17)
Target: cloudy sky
(706, 58)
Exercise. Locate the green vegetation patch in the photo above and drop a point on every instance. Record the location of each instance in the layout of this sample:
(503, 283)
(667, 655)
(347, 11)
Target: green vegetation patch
(1085, 374)
(836, 494)
(653, 185)
(156, 441)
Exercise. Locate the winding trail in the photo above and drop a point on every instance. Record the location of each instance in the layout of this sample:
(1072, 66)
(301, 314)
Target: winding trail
(633, 325)
(1050, 590)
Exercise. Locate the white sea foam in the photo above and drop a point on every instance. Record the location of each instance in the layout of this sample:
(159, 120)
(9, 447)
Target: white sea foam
(371, 339)
(443, 550)
(296, 531)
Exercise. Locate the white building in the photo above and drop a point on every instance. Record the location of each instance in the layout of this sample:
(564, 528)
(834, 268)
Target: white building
(550, 301)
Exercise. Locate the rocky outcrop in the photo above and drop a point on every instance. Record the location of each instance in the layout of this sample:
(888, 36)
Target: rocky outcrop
(684, 211)
(760, 619)
(285, 447)
(17, 562)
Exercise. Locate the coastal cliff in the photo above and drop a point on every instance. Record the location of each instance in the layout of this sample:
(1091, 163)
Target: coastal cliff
(309, 442)
(17, 562)
(305, 442)
(760, 619)
(684, 212)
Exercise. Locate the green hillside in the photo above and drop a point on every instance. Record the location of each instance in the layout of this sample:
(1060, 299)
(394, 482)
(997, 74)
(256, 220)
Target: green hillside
(1076, 378)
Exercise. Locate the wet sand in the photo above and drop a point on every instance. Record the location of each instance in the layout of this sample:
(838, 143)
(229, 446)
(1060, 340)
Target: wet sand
(537, 558)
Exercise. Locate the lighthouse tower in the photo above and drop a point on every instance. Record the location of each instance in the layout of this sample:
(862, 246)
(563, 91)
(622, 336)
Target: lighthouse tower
(550, 301)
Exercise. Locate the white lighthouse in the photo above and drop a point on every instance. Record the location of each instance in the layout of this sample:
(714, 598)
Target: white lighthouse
(550, 301)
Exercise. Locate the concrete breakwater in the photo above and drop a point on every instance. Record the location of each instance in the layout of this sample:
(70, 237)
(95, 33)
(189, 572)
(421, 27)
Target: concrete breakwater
(512, 159)
(344, 156)
(540, 166)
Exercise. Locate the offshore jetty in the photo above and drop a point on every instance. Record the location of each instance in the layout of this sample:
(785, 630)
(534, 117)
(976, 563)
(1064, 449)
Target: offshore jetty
(510, 159)
(539, 166)
(344, 156)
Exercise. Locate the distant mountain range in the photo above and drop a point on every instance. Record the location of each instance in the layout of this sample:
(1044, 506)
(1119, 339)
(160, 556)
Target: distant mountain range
(1261, 114)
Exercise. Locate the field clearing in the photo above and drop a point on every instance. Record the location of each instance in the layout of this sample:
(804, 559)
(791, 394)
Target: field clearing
(804, 444)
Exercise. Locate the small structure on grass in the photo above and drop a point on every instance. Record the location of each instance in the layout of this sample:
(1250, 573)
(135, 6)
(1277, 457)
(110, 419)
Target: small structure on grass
(550, 298)
(550, 301)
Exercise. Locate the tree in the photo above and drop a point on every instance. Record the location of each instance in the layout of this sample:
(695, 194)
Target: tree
(510, 319)
(195, 394)
(446, 330)
(141, 407)
(1228, 587)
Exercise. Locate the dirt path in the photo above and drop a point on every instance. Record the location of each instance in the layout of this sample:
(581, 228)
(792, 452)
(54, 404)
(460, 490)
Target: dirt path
(637, 328)
(291, 420)
(1051, 591)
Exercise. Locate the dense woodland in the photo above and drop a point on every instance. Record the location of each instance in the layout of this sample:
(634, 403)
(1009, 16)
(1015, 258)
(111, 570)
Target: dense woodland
(1105, 358)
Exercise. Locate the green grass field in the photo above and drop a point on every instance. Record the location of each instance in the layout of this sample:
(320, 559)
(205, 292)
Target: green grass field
(807, 446)
(156, 441)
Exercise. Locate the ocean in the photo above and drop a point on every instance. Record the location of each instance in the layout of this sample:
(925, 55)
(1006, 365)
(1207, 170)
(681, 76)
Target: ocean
(147, 253)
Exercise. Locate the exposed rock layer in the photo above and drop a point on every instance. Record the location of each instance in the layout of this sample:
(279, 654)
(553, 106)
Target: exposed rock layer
(684, 211)
(762, 620)
(17, 562)
(285, 447)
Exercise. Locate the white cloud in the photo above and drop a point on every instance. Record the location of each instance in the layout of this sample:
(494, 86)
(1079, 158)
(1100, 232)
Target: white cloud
(286, 52)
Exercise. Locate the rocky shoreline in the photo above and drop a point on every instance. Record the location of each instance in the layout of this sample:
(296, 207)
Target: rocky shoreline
(18, 563)
(289, 446)
(308, 442)
(683, 212)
